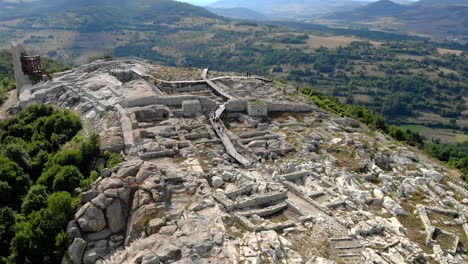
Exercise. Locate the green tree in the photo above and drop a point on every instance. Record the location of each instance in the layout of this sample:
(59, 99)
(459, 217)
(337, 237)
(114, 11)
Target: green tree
(35, 200)
(13, 183)
(67, 179)
(7, 232)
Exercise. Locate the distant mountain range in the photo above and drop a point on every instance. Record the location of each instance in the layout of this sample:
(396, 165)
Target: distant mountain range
(443, 18)
(237, 12)
(290, 9)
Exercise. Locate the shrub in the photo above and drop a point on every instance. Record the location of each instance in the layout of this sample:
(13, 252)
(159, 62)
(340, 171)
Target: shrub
(13, 183)
(68, 178)
(35, 200)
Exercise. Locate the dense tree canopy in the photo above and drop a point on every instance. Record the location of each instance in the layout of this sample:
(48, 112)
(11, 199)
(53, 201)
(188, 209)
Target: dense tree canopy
(38, 178)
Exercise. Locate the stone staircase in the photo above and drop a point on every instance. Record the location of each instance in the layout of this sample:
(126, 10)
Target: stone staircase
(346, 249)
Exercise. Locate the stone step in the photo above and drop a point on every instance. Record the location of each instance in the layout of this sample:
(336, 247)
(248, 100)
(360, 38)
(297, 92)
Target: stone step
(265, 211)
(349, 255)
(346, 238)
(348, 247)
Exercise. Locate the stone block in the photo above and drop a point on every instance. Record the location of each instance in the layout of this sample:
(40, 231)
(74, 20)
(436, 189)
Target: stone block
(191, 108)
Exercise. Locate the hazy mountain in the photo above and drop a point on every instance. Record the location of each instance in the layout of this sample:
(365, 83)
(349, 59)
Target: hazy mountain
(290, 9)
(376, 9)
(237, 12)
(442, 18)
(442, 3)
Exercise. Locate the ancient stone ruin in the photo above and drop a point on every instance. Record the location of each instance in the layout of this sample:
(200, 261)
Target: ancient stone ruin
(222, 168)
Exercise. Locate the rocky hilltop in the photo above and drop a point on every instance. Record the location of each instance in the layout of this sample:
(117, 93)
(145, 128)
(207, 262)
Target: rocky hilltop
(233, 169)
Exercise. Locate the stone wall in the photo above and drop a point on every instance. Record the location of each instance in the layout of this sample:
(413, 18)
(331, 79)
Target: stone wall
(292, 188)
(430, 229)
(289, 107)
(266, 211)
(296, 175)
(191, 108)
(257, 109)
(243, 190)
(260, 200)
(150, 114)
(236, 106)
(174, 101)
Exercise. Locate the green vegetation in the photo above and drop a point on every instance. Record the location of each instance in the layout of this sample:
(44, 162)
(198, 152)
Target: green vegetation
(7, 82)
(364, 115)
(44, 159)
(455, 155)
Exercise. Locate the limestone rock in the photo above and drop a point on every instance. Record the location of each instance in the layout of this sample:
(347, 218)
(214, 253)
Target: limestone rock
(101, 235)
(168, 230)
(136, 224)
(88, 196)
(76, 251)
(106, 173)
(168, 252)
(154, 226)
(112, 144)
(150, 258)
(320, 260)
(129, 168)
(393, 206)
(217, 181)
(109, 183)
(92, 220)
(116, 215)
(147, 170)
(433, 174)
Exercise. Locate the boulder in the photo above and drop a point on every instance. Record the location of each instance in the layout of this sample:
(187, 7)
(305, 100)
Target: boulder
(217, 182)
(116, 215)
(91, 256)
(92, 220)
(130, 168)
(433, 174)
(109, 183)
(106, 173)
(136, 224)
(101, 235)
(168, 253)
(393, 207)
(88, 196)
(150, 258)
(147, 170)
(121, 193)
(154, 226)
(112, 144)
(72, 230)
(168, 230)
(76, 251)
(227, 176)
(100, 201)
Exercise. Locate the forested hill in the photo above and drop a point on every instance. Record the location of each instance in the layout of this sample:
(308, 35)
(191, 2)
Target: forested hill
(100, 15)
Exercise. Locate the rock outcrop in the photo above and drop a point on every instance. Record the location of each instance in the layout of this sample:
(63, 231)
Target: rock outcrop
(315, 184)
